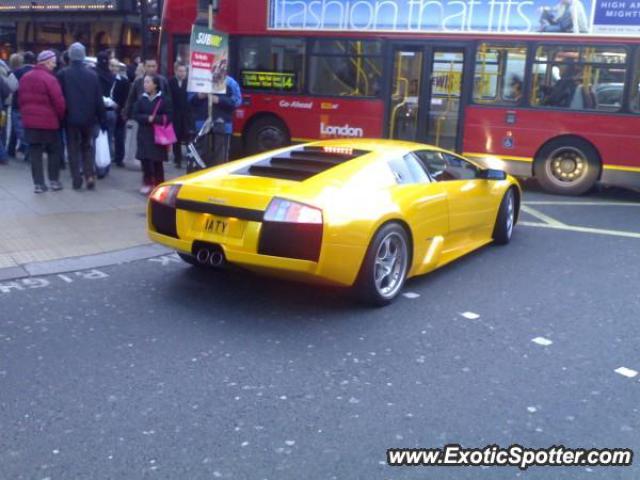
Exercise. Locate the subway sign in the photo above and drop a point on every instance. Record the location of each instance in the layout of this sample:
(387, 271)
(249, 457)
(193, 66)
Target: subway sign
(552, 17)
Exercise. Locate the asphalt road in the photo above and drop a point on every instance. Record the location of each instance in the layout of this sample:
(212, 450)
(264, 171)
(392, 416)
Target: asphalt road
(154, 369)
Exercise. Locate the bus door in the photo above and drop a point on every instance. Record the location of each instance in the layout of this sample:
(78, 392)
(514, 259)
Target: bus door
(427, 111)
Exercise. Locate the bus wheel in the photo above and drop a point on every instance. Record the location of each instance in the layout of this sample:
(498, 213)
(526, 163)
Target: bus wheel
(266, 133)
(567, 167)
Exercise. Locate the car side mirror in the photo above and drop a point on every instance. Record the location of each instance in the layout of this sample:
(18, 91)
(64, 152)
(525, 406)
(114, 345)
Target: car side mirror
(492, 174)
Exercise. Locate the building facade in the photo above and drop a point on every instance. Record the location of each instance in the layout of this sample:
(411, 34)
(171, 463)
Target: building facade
(98, 24)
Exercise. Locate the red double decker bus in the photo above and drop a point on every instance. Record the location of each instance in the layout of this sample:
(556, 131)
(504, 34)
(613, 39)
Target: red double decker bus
(544, 90)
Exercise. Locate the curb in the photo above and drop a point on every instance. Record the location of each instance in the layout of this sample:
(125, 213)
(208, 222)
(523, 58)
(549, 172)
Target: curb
(72, 264)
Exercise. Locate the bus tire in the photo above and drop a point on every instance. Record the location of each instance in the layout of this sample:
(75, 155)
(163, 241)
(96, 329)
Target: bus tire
(567, 166)
(266, 133)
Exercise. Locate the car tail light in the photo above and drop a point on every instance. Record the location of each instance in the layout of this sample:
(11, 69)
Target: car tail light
(166, 194)
(286, 211)
(291, 230)
(163, 209)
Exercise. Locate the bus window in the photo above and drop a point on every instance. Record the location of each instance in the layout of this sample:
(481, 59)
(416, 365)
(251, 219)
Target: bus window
(271, 64)
(579, 78)
(499, 75)
(635, 85)
(349, 68)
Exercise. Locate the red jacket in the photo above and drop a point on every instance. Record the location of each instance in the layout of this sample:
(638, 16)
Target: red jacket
(41, 102)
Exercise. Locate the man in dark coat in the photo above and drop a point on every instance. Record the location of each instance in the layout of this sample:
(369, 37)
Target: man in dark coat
(119, 94)
(224, 105)
(85, 107)
(107, 82)
(42, 107)
(182, 122)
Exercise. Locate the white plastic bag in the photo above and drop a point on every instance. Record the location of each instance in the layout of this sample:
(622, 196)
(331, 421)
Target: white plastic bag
(103, 156)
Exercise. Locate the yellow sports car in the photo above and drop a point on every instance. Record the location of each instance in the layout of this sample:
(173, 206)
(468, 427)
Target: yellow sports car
(366, 214)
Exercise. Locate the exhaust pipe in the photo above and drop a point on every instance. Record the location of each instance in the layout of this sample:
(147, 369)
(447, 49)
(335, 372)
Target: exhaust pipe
(216, 259)
(203, 255)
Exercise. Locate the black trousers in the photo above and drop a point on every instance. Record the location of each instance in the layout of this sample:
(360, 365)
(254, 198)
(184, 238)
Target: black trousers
(41, 141)
(221, 143)
(177, 153)
(118, 139)
(152, 172)
(80, 146)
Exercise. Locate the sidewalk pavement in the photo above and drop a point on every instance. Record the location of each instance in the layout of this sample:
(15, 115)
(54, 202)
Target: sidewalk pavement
(57, 225)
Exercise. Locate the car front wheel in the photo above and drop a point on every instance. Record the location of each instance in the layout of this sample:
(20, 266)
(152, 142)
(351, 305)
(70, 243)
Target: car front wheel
(506, 220)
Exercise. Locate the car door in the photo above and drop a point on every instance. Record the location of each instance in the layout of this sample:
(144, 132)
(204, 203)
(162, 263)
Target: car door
(471, 206)
(423, 203)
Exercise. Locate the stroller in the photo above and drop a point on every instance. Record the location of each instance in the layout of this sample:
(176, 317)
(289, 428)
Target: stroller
(197, 149)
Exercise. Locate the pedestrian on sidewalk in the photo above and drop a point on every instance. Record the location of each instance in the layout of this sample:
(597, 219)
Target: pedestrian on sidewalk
(22, 146)
(182, 122)
(119, 93)
(137, 87)
(8, 85)
(42, 107)
(107, 80)
(151, 108)
(85, 111)
(132, 74)
(15, 62)
(222, 118)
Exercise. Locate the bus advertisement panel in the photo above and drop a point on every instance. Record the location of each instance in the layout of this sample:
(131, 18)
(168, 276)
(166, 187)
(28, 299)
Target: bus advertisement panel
(458, 16)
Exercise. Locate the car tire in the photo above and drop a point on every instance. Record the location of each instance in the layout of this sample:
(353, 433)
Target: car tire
(506, 220)
(567, 167)
(266, 133)
(381, 278)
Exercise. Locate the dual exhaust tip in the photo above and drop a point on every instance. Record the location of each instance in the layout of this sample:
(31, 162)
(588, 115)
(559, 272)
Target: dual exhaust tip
(214, 258)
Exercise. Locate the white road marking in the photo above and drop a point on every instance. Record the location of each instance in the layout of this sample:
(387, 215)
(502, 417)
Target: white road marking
(545, 342)
(587, 204)
(411, 295)
(532, 409)
(166, 259)
(541, 216)
(571, 228)
(42, 282)
(470, 315)
(626, 372)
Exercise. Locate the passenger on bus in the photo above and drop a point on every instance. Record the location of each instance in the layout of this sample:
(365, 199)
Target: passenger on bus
(562, 92)
(515, 85)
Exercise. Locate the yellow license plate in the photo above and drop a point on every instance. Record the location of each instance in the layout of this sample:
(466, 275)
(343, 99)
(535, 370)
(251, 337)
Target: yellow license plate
(222, 226)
